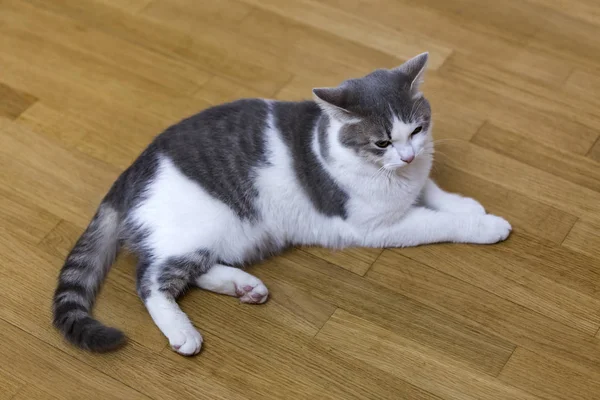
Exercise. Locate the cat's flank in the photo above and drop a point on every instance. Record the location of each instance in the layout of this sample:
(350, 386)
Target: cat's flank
(242, 181)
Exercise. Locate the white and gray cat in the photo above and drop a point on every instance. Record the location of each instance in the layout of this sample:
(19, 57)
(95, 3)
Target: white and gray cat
(242, 181)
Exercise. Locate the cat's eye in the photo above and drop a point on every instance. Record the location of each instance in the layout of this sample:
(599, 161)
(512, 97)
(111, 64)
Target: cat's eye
(417, 130)
(383, 143)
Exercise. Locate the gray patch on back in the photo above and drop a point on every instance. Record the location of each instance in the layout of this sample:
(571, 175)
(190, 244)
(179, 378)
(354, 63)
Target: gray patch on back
(297, 123)
(220, 148)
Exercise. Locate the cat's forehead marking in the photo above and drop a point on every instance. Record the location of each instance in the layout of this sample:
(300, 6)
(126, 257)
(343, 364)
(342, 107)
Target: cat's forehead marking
(401, 130)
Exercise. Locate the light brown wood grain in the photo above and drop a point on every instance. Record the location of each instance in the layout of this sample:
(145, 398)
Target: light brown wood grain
(455, 30)
(9, 385)
(407, 360)
(65, 183)
(30, 391)
(521, 211)
(594, 152)
(492, 313)
(574, 168)
(64, 129)
(585, 238)
(33, 361)
(390, 310)
(354, 259)
(14, 102)
(24, 219)
(522, 178)
(510, 275)
(86, 84)
(553, 379)
(532, 95)
(340, 23)
(470, 95)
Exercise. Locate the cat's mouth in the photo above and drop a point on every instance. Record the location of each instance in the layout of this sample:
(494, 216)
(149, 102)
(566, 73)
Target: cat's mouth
(395, 166)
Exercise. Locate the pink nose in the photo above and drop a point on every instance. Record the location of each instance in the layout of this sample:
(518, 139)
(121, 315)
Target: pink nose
(408, 159)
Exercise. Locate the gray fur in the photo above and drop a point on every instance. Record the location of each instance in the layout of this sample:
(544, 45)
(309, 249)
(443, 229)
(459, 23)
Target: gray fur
(220, 149)
(79, 281)
(374, 100)
(177, 273)
(297, 124)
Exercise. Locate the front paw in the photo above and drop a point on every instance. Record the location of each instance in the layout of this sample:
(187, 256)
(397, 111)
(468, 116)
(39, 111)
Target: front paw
(491, 229)
(467, 205)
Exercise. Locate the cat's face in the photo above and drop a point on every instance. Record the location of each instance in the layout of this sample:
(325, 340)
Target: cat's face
(386, 120)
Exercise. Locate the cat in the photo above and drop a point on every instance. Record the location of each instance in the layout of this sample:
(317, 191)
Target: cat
(244, 180)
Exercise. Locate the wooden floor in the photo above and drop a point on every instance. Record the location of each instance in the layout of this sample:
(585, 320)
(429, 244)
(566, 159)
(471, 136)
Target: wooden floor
(515, 85)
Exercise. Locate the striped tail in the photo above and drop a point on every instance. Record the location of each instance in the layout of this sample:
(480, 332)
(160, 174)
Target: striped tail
(80, 279)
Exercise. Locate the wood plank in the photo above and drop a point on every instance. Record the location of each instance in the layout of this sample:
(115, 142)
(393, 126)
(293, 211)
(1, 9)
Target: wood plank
(584, 81)
(199, 51)
(122, 56)
(189, 13)
(220, 90)
(265, 362)
(131, 6)
(584, 238)
(67, 184)
(14, 102)
(564, 164)
(32, 361)
(584, 10)
(532, 182)
(522, 211)
(543, 98)
(46, 120)
(574, 270)
(282, 33)
(337, 22)
(567, 37)
(492, 313)
(475, 97)
(24, 219)
(493, 43)
(503, 270)
(115, 83)
(9, 386)
(542, 376)
(390, 310)
(29, 392)
(268, 53)
(594, 152)
(410, 361)
(357, 260)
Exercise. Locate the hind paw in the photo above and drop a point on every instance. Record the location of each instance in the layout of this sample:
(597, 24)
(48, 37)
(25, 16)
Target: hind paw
(252, 294)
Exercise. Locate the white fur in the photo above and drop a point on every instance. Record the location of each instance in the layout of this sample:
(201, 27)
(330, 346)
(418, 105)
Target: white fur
(234, 282)
(182, 217)
(174, 324)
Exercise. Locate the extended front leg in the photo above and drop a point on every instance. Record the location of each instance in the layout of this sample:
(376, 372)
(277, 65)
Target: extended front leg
(435, 198)
(421, 225)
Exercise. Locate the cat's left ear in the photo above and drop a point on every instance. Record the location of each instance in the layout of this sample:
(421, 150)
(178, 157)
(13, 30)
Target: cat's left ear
(335, 102)
(414, 69)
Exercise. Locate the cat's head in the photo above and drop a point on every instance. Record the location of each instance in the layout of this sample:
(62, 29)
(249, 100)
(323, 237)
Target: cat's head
(385, 118)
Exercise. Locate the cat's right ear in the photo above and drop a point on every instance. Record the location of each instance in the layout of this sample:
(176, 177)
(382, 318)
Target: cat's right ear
(334, 102)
